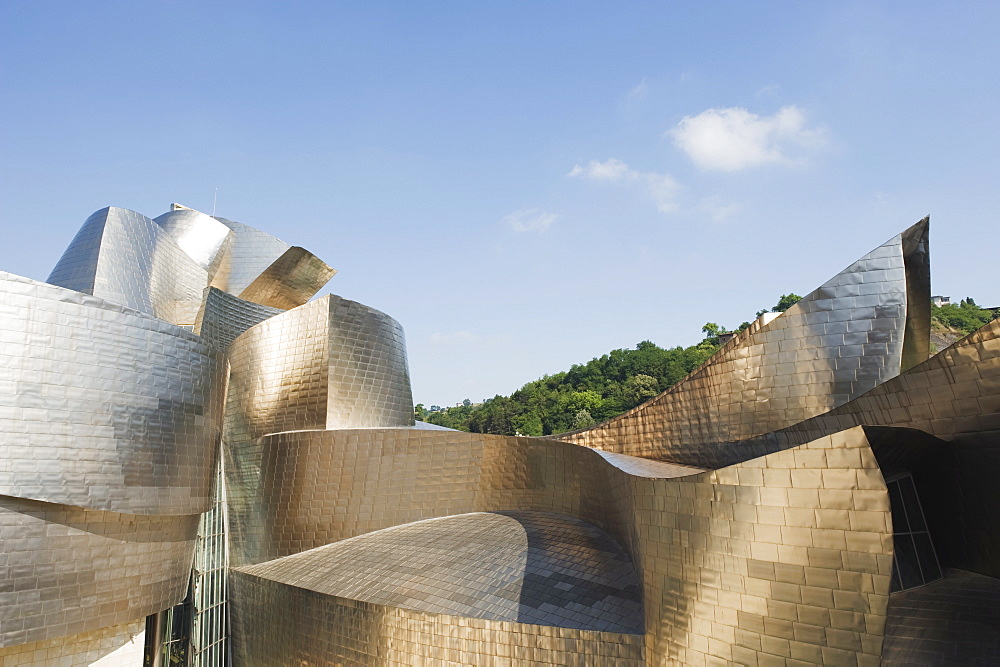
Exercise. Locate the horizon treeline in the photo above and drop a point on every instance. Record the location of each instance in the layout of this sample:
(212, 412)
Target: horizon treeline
(607, 386)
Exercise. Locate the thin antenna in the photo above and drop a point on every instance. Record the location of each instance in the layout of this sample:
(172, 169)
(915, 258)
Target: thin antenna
(215, 200)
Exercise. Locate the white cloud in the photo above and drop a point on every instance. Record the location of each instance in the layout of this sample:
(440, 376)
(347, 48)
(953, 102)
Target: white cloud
(530, 220)
(661, 188)
(638, 93)
(733, 139)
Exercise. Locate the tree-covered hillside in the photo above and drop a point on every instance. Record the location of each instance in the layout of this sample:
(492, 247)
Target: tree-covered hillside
(607, 386)
(587, 393)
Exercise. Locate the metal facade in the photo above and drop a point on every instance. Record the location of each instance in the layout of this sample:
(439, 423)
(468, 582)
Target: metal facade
(741, 517)
(848, 336)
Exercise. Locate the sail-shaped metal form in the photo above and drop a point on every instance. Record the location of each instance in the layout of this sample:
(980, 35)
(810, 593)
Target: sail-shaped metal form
(846, 337)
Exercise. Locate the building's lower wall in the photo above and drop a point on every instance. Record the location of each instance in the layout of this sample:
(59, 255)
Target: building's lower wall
(784, 557)
(68, 570)
(280, 624)
(115, 646)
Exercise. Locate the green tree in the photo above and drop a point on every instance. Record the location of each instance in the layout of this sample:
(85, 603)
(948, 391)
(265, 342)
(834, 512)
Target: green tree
(640, 388)
(712, 330)
(785, 302)
(965, 316)
(583, 420)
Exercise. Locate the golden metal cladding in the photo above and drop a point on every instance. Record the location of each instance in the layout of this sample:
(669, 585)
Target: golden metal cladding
(954, 393)
(784, 557)
(111, 646)
(68, 570)
(845, 338)
(290, 281)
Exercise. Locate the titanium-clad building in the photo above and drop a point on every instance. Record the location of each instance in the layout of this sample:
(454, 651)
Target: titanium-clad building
(200, 465)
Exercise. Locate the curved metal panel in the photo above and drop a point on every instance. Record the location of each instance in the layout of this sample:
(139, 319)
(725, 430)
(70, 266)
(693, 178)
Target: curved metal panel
(104, 407)
(126, 258)
(251, 252)
(202, 237)
(319, 629)
(290, 281)
(105, 647)
(838, 342)
(331, 363)
(954, 393)
(525, 567)
(69, 570)
(727, 554)
(223, 317)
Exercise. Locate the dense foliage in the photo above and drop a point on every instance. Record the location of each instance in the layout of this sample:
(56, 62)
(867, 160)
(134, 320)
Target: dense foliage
(582, 396)
(964, 316)
(607, 386)
(588, 393)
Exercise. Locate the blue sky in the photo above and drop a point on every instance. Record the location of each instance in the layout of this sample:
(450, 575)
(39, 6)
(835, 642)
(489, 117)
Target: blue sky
(523, 186)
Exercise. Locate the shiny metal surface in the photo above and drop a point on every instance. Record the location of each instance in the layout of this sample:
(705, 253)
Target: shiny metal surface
(527, 567)
(318, 629)
(290, 281)
(251, 252)
(104, 407)
(69, 570)
(739, 518)
(953, 394)
(111, 646)
(223, 317)
(331, 363)
(202, 237)
(126, 258)
(752, 562)
(843, 339)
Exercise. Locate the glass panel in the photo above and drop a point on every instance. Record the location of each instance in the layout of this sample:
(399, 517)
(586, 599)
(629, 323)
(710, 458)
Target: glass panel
(895, 578)
(899, 524)
(906, 562)
(925, 552)
(913, 512)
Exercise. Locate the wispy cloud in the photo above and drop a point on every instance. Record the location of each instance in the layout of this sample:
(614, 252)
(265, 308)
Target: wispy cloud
(530, 220)
(718, 210)
(768, 90)
(661, 188)
(638, 93)
(732, 139)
